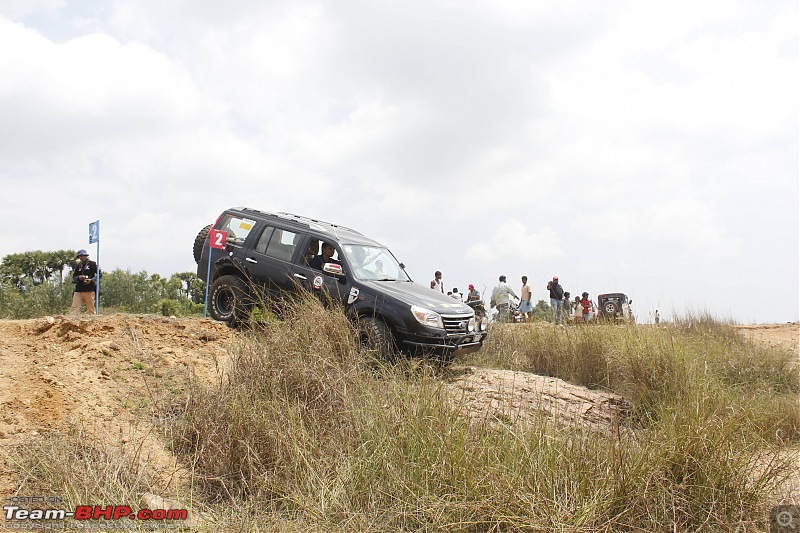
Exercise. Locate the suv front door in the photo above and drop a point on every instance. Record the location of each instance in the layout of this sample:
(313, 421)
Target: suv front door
(315, 280)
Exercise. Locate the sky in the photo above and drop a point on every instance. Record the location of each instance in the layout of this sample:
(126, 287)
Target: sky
(634, 146)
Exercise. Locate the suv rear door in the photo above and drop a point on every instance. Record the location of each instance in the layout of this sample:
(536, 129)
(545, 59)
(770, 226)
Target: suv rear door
(269, 260)
(241, 235)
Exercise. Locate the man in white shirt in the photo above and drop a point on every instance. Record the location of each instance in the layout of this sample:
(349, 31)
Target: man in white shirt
(436, 284)
(501, 297)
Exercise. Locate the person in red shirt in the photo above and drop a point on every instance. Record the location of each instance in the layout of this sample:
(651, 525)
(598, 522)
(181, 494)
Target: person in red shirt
(587, 306)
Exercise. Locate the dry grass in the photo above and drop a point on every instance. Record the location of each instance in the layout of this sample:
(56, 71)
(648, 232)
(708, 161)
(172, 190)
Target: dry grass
(694, 364)
(81, 469)
(304, 433)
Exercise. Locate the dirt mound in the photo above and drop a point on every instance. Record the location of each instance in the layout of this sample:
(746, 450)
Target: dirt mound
(102, 372)
(510, 397)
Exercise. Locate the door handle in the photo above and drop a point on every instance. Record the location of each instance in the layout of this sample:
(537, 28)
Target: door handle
(250, 260)
(300, 276)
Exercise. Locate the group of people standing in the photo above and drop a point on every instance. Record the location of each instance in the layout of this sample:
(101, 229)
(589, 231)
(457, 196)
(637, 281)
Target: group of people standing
(581, 309)
(436, 284)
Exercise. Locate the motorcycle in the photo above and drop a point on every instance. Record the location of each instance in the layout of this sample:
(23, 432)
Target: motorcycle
(479, 307)
(509, 314)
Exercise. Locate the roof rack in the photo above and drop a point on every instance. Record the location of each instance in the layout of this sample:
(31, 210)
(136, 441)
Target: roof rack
(299, 218)
(315, 221)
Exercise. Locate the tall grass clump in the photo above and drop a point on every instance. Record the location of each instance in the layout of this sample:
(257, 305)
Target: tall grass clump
(285, 394)
(81, 469)
(303, 431)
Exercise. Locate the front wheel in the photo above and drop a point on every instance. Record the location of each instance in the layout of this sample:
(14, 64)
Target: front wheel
(374, 335)
(229, 300)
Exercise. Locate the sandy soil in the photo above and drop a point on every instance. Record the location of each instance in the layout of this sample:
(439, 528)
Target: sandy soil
(787, 335)
(109, 374)
(105, 374)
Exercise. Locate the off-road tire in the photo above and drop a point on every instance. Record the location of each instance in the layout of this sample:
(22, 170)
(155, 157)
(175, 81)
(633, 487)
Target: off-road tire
(610, 309)
(374, 335)
(199, 242)
(229, 300)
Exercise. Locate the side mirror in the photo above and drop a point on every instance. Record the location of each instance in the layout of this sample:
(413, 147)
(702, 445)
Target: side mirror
(333, 269)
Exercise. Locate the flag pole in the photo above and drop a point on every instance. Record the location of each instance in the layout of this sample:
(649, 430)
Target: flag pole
(94, 237)
(216, 239)
(97, 284)
(208, 279)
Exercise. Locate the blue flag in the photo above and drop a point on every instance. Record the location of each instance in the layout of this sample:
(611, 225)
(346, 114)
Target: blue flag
(94, 232)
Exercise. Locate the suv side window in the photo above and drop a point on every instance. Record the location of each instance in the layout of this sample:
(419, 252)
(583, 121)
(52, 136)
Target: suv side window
(314, 248)
(237, 228)
(277, 243)
(263, 241)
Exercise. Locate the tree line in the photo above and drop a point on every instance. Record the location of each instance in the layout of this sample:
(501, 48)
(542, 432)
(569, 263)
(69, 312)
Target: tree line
(39, 283)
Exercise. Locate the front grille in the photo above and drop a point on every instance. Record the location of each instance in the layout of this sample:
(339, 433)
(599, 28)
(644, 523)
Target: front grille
(456, 323)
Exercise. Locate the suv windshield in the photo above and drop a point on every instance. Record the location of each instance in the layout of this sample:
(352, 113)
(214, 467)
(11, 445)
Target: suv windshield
(371, 263)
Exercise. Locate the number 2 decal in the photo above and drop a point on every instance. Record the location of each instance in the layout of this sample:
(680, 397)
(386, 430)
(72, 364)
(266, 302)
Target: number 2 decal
(94, 232)
(217, 239)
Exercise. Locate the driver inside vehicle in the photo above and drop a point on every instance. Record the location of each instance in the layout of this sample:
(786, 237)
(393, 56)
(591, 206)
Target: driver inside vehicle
(326, 256)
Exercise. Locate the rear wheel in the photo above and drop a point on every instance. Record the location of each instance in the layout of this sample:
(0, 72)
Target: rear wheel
(374, 335)
(199, 242)
(230, 300)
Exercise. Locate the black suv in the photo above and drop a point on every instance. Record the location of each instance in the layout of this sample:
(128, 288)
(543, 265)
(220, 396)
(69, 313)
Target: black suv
(281, 253)
(615, 306)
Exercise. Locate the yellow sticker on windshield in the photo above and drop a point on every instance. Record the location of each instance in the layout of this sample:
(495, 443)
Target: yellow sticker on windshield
(246, 225)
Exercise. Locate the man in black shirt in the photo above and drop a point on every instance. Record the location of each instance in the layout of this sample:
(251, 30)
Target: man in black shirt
(556, 298)
(84, 276)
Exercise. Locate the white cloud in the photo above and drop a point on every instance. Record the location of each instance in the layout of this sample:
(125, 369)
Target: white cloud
(513, 241)
(615, 143)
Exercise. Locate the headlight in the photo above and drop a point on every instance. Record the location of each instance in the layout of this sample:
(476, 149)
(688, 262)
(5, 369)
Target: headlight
(471, 325)
(426, 317)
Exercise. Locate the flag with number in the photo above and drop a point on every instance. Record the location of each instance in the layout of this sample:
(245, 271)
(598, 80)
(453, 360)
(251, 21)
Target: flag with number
(94, 232)
(218, 239)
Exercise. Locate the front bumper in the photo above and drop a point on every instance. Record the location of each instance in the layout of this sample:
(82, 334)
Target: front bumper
(449, 346)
